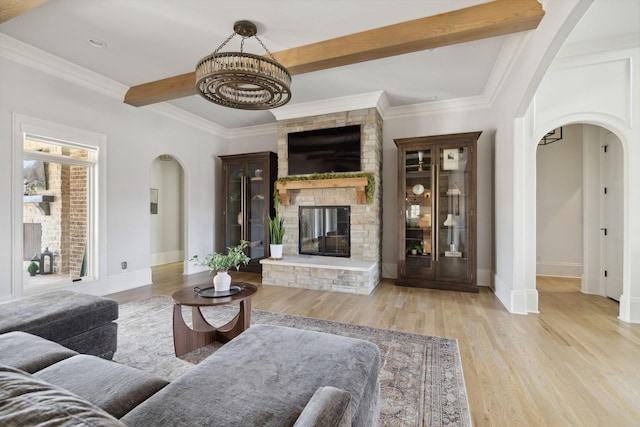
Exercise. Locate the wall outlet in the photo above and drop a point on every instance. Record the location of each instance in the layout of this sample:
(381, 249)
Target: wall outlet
(123, 264)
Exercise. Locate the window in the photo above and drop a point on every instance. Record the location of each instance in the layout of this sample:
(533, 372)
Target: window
(56, 216)
(58, 185)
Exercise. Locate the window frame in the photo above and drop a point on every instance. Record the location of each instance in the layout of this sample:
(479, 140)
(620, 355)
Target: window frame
(25, 127)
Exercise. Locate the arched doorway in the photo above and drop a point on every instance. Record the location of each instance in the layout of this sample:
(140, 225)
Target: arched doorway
(580, 208)
(166, 209)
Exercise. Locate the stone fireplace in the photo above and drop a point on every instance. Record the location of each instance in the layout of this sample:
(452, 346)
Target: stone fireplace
(360, 270)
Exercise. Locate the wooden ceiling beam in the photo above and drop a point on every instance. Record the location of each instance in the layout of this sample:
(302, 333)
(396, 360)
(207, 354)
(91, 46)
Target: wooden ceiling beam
(11, 8)
(496, 18)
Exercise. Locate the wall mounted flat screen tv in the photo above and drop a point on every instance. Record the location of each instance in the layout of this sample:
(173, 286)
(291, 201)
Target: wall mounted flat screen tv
(324, 150)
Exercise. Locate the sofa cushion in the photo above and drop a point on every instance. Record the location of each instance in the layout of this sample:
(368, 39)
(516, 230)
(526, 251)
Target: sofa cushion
(29, 401)
(29, 352)
(113, 387)
(328, 407)
(265, 377)
(57, 315)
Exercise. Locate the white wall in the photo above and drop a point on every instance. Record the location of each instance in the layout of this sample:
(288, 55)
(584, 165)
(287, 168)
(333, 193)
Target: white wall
(559, 208)
(599, 87)
(135, 137)
(167, 239)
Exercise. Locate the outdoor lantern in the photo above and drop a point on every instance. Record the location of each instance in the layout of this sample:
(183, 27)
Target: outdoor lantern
(46, 262)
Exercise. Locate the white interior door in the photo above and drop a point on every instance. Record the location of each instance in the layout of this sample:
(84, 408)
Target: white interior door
(612, 216)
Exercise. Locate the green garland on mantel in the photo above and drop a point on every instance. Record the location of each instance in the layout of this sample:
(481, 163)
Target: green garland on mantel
(371, 183)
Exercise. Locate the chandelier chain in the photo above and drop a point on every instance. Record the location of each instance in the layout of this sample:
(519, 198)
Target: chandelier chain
(265, 47)
(224, 43)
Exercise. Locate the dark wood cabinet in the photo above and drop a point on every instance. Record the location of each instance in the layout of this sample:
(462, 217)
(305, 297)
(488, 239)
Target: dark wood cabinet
(247, 187)
(437, 211)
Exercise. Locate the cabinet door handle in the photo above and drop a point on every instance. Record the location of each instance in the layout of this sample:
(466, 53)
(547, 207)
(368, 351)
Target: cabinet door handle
(243, 206)
(435, 215)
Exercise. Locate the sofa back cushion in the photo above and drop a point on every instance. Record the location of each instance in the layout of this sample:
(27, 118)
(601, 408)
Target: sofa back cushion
(28, 401)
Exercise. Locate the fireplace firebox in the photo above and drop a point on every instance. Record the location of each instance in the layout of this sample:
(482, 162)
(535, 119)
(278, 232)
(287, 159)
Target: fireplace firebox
(324, 230)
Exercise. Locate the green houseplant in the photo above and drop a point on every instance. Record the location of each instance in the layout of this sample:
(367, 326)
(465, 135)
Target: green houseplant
(33, 268)
(414, 249)
(221, 263)
(276, 232)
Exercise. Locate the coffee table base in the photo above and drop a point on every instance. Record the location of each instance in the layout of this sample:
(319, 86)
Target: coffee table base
(186, 339)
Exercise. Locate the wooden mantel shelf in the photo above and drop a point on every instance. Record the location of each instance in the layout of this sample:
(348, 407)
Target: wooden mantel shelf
(360, 184)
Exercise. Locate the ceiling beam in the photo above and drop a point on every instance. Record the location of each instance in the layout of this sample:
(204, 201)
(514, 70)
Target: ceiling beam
(11, 8)
(496, 18)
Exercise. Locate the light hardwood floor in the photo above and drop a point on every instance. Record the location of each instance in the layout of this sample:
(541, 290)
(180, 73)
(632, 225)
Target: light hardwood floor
(573, 364)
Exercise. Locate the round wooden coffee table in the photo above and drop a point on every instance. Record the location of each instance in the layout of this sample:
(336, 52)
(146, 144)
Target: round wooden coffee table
(186, 339)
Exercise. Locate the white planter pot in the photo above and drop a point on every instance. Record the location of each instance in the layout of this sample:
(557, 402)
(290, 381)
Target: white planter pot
(222, 281)
(276, 251)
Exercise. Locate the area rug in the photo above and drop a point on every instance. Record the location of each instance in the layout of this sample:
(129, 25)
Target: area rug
(421, 381)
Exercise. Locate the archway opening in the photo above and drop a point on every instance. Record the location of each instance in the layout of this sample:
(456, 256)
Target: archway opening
(579, 209)
(167, 211)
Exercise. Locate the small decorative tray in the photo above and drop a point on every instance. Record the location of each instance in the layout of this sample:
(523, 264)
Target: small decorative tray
(212, 293)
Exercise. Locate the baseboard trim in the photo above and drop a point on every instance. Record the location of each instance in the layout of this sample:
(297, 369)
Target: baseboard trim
(559, 269)
(516, 301)
(126, 281)
(629, 309)
(161, 258)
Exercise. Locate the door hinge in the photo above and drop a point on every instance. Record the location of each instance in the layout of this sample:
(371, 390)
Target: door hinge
(605, 273)
(604, 230)
(605, 190)
(604, 147)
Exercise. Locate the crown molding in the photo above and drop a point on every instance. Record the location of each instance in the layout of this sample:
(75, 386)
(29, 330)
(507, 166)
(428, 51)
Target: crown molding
(40, 60)
(329, 106)
(451, 105)
(27, 55)
(187, 118)
(511, 50)
(251, 131)
(627, 41)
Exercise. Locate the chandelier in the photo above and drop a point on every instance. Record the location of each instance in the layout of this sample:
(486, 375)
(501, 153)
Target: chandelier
(243, 80)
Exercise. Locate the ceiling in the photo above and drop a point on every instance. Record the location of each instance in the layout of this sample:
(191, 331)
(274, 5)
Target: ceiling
(150, 40)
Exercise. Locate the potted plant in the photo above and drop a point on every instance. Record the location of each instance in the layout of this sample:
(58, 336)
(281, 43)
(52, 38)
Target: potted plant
(33, 268)
(276, 231)
(221, 263)
(414, 249)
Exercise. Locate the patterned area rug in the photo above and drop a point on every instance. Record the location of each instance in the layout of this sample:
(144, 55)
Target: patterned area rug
(421, 382)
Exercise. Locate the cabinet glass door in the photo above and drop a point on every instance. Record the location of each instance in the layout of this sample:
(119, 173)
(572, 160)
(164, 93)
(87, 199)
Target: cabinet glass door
(418, 239)
(234, 214)
(453, 231)
(257, 196)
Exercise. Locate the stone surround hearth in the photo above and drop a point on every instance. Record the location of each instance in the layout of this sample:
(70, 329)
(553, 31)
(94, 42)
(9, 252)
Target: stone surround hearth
(361, 272)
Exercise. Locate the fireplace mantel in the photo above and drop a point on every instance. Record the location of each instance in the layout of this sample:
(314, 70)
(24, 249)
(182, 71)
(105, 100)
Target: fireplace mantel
(359, 183)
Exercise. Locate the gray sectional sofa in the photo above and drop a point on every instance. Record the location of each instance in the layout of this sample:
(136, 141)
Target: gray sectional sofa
(84, 323)
(267, 376)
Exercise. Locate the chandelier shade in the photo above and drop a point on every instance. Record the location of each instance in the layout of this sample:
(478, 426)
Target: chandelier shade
(243, 80)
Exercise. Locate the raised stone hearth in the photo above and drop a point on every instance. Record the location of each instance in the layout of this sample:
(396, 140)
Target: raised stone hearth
(361, 272)
(322, 273)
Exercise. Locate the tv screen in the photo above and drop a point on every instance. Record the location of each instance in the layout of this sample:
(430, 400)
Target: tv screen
(324, 150)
